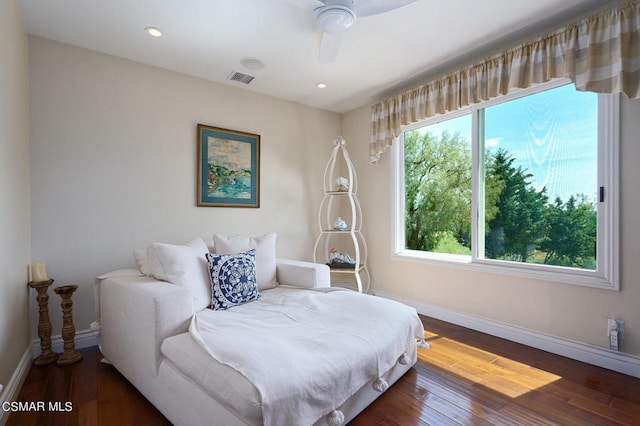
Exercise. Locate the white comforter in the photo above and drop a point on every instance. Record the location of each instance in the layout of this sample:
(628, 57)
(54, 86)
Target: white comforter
(308, 351)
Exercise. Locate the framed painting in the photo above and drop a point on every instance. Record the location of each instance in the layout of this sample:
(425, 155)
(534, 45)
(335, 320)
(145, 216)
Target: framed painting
(228, 168)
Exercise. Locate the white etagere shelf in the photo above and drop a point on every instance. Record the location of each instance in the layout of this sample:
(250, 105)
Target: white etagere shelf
(341, 244)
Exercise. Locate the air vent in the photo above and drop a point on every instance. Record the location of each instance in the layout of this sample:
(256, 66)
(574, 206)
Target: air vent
(240, 77)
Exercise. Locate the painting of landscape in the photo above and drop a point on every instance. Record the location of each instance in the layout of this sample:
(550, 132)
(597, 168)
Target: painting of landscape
(228, 168)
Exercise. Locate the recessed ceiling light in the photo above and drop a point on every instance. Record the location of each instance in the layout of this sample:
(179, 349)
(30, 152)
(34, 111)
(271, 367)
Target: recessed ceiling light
(252, 63)
(153, 31)
(321, 85)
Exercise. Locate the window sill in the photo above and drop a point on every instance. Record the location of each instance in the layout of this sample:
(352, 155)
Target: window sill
(534, 272)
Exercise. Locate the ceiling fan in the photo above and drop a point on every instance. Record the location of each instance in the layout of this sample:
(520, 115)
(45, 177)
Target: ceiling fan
(334, 17)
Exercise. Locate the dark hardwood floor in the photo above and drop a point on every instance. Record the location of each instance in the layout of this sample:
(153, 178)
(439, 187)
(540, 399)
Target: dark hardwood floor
(465, 378)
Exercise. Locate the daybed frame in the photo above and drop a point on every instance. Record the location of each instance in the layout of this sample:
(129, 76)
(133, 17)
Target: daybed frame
(136, 314)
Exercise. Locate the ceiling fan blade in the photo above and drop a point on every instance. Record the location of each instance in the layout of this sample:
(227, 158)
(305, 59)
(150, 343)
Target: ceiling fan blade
(329, 47)
(375, 7)
(306, 4)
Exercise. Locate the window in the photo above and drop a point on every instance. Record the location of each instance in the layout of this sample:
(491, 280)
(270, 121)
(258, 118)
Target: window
(524, 184)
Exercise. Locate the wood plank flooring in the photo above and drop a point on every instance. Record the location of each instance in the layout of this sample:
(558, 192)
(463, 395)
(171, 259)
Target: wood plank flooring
(465, 378)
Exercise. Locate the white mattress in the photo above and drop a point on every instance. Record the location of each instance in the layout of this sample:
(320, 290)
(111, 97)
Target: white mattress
(224, 383)
(227, 386)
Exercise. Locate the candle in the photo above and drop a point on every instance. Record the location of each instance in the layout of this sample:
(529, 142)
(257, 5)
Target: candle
(38, 272)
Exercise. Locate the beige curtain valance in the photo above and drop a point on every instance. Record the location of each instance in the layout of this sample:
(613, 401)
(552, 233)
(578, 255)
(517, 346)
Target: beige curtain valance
(599, 54)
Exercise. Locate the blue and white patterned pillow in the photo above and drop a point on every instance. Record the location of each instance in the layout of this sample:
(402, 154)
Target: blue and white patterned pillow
(233, 279)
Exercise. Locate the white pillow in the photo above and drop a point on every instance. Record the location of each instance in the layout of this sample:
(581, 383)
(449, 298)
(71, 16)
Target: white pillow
(147, 261)
(265, 247)
(210, 245)
(141, 261)
(185, 266)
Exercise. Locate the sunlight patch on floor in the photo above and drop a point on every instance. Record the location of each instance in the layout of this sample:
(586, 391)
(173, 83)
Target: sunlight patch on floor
(504, 375)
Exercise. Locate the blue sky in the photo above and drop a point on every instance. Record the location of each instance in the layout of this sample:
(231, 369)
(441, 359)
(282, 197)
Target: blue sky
(552, 134)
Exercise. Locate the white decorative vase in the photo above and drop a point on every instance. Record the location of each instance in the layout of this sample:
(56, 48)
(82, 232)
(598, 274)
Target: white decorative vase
(340, 224)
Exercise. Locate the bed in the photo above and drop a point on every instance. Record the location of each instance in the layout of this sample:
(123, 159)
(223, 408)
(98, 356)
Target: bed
(293, 352)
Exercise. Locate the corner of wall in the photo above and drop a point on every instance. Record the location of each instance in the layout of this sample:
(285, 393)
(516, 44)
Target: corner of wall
(15, 226)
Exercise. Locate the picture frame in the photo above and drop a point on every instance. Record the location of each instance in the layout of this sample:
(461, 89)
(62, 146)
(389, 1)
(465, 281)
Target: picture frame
(228, 168)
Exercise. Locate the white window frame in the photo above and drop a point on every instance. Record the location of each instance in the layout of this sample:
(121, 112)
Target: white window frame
(606, 276)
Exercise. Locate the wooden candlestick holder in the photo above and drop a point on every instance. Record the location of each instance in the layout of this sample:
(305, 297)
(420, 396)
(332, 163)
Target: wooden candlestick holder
(70, 354)
(47, 356)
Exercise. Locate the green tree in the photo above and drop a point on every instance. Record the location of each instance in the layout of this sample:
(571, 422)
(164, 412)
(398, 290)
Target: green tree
(437, 189)
(493, 187)
(518, 222)
(570, 233)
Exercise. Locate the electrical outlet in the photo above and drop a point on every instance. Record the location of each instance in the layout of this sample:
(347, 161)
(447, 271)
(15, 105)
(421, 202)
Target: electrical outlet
(613, 340)
(615, 331)
(615, 324)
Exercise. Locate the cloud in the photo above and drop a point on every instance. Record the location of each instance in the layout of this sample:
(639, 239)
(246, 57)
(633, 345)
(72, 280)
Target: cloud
(232, 154)
(492, 142)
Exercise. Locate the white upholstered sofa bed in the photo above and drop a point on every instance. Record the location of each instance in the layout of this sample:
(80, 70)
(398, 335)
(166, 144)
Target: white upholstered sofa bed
(292, 351)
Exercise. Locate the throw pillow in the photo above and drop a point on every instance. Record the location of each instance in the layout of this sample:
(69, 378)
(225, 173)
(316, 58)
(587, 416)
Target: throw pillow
(265, 247)
(186, 266)
(233, 279)
(140, 257)
(147, 261)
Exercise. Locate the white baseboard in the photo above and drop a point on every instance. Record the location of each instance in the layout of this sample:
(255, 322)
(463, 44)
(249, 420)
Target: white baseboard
(83, 339)
(15, 383)
(595, 355)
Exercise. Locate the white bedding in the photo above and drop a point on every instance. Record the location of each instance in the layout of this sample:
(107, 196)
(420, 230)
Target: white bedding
(307, 351)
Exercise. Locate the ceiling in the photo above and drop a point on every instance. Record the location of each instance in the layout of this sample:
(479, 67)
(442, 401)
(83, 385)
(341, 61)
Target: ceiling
(379, 54)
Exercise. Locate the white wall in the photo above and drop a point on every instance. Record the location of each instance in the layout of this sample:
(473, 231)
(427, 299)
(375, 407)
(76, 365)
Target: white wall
(563, 310)
(113, 164)
(14, 192)
(113, 152)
